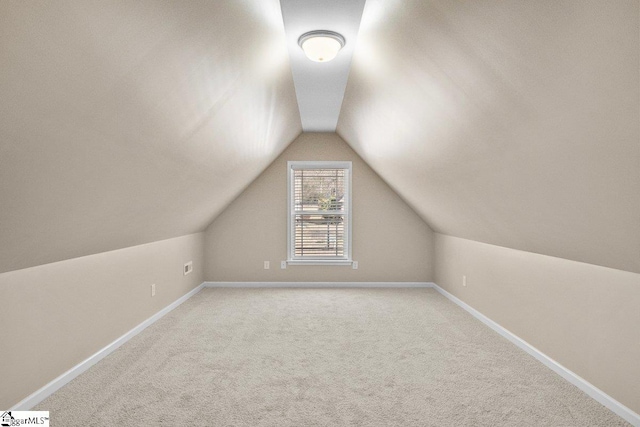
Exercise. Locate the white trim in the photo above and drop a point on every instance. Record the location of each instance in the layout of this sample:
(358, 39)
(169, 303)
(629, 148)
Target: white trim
(584, 385)
(328, 164)
(46, 391)
(289, 210)
(591, 390)
(318, 284)
(319, 164)
(319, 262)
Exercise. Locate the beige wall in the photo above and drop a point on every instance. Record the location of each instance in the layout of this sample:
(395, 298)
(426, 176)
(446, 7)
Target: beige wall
(583, 316)
(56, 315)
(390, 241)
(123, 123)
(508, 122)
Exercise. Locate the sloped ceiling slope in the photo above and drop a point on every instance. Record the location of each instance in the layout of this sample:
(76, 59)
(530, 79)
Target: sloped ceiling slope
(507, 122)
(126, 122)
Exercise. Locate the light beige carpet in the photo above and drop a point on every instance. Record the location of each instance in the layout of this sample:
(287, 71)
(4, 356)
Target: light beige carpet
(321, 357)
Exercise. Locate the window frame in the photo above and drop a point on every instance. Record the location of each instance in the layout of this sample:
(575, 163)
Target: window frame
(346, 259)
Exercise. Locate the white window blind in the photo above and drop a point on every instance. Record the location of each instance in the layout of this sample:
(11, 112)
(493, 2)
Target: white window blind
(319, 211)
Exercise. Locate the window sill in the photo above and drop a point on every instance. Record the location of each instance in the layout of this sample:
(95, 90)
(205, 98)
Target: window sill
(319, 262)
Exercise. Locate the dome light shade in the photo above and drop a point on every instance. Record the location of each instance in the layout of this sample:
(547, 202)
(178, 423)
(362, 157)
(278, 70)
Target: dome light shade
(321, 46)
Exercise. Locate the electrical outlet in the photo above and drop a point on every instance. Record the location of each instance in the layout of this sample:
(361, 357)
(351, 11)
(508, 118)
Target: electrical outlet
(266, 265)
(283, 265)
(464, 280)
(188, 268)
(354, 265)
(153, 290)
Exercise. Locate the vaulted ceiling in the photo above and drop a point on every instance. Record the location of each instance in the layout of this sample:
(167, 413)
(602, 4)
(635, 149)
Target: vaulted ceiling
(127, 122)
(511, 122)
(508, 122)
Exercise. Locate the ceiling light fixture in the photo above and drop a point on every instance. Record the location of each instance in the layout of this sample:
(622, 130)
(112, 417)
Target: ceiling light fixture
(321, 45)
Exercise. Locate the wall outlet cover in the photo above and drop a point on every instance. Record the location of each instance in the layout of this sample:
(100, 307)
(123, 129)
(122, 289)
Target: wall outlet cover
(188, 267)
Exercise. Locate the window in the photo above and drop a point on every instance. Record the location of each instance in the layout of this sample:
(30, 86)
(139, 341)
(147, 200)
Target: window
(319, 213)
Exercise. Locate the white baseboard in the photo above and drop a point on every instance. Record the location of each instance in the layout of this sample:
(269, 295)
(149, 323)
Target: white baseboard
(318, 284)
(591, 390)
(46, 391)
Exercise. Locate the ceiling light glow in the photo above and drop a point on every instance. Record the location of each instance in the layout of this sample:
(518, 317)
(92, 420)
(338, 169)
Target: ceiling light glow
(321, 46)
